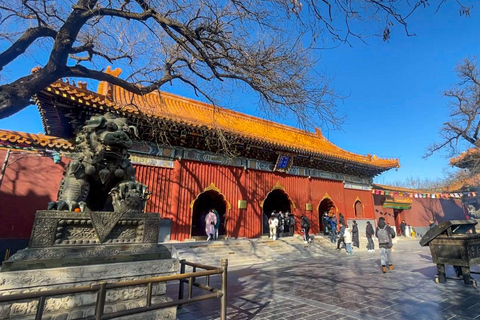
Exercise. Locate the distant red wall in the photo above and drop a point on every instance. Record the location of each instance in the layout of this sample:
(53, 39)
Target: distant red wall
(29, 184)
(422, 210)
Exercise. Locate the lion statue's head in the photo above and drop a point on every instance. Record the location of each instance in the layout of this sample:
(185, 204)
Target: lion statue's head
(103, 146)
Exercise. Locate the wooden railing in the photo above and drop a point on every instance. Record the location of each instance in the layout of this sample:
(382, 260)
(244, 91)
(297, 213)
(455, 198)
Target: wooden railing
(101, 290)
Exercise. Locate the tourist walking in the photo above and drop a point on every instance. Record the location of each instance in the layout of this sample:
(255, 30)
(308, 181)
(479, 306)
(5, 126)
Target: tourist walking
(333, 229)
(369, 232)
(305, 224)
(217, 224)
(281, 224)
(355, 238)
(210, 221)
(341, 235)
(273, 224)
(291, 223)
(348, 238)
(385, 235)
(325, 222)
(341, 219)
(402, 228)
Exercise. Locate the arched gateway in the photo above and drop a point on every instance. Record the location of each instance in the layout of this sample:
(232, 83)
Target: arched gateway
(326, 206)
(276, 200)
(210, 198)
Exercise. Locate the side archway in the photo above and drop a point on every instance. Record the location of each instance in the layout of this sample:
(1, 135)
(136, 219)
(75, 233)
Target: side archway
(358, 209)
(210, 198)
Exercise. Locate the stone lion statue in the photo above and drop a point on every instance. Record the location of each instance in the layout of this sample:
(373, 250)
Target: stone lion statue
(101, 176)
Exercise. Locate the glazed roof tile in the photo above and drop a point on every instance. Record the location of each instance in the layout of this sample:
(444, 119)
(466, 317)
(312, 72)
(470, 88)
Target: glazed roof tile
(34, 140)
(462, 160)
(163, 105)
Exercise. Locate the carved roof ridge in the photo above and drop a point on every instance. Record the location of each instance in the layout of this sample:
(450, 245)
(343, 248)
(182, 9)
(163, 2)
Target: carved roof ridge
(165, 105)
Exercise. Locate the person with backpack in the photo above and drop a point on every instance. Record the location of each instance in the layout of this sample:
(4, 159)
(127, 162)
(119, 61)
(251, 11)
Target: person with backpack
(369, 232)
(305, 224)
(385, 234)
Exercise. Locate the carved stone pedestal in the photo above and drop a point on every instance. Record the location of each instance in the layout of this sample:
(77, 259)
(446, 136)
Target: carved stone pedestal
(72, 249)
(64, 239)
(82, 305)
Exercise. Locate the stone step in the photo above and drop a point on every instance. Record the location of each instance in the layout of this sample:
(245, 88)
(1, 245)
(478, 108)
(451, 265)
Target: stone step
(251, 251)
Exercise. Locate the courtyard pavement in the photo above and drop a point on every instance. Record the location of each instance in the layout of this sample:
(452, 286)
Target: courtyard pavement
(340, 286)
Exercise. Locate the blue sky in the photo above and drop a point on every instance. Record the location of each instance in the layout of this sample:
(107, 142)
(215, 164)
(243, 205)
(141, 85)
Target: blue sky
(394, 103)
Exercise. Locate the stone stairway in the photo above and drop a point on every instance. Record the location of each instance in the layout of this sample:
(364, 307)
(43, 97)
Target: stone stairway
(241, 252)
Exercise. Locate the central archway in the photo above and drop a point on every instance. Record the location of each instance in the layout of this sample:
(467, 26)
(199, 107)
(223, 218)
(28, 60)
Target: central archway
(325, 206)
(276, 200)
(205, 201)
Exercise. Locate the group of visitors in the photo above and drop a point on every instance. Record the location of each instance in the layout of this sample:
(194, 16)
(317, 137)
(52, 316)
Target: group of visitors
(347, 237)
(341, 233)
(408, 231)
(280, 223)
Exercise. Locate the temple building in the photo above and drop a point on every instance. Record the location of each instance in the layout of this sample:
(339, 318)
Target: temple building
(193, 157)
(418, 208)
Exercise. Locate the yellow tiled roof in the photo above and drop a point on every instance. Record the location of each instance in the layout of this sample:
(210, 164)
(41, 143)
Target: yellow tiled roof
(399, 189)
(163, 105)
(457, 161)
(35, 140)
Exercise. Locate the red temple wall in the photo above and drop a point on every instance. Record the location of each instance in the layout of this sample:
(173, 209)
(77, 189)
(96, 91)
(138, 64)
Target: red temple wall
(29, 184)
(422, 210)
(178, 188)
(366, 200)
(32, 181)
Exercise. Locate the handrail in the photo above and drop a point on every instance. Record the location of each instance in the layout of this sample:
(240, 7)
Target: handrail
(102, 287)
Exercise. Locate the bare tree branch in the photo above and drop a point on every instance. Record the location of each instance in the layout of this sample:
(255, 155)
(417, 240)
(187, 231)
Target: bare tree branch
(464, 121)
(266, 46)
(21, 45)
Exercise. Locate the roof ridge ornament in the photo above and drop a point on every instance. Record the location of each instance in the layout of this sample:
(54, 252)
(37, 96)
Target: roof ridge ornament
(105, 88)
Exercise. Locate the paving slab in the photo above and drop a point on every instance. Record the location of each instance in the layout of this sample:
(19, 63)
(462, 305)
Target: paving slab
(339, 286)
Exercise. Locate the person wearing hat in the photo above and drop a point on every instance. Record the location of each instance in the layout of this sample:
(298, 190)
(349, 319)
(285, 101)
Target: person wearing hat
(273, 224)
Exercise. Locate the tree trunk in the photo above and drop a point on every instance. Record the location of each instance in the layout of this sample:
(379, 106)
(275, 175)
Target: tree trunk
(17, 95)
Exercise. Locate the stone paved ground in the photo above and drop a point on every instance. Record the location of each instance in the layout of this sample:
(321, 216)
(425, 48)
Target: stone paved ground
(337, 286)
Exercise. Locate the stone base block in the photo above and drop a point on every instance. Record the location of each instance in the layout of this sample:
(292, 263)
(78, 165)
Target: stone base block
(81, 305)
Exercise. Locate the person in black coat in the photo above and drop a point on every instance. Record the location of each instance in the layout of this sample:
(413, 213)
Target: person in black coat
(402, 228)
(369, 232)
(341, 234)
(341, 219)
(305, 224)
(355, 240)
